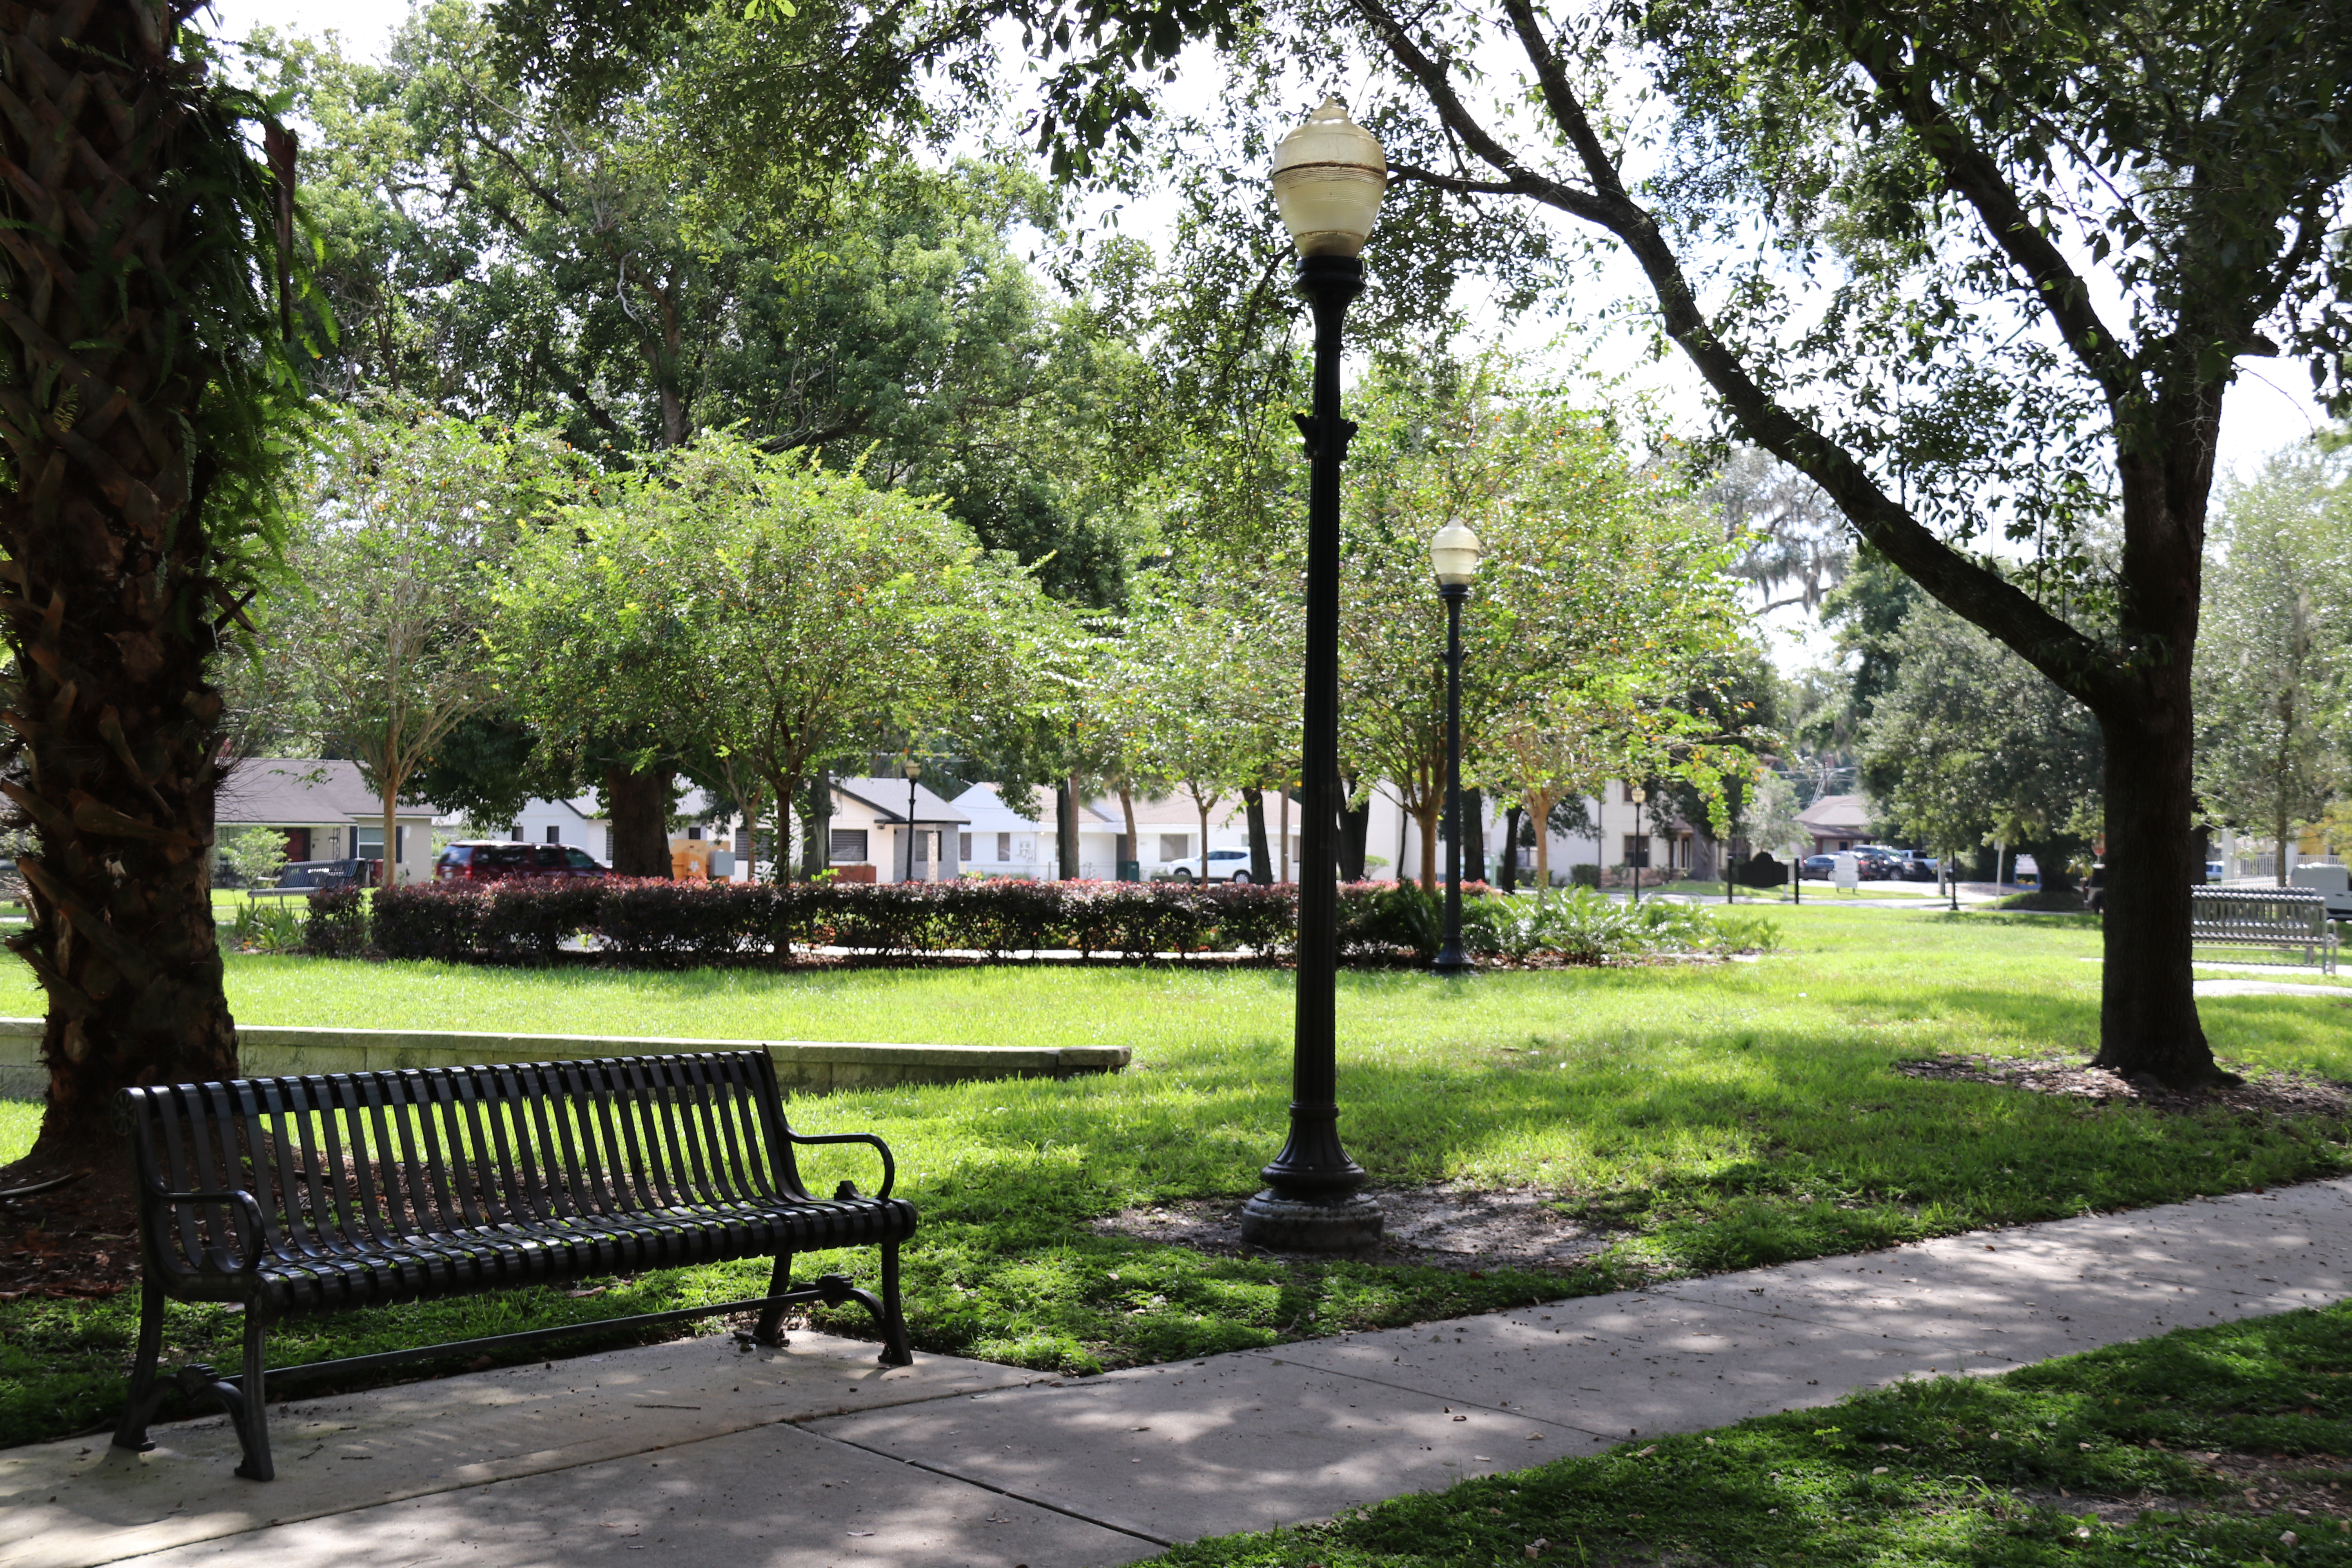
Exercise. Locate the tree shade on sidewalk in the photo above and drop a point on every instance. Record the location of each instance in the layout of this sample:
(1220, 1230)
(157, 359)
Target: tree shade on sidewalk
(679, 1447)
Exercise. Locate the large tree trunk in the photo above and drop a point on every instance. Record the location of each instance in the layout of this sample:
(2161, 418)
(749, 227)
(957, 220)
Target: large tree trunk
(1425, 819)
(1474, 836)
(1066, 827)
(638, 805)
(816, 828)
(108, 535)
(1355, 831)
(391, 835)
(2147, 1011)
(1261, 854)
(1127, 811)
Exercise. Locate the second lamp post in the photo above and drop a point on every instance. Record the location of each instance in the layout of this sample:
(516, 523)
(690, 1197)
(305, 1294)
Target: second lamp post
(1453, 554)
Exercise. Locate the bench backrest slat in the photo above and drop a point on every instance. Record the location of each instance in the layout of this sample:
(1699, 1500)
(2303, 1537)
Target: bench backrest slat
(349, 1160)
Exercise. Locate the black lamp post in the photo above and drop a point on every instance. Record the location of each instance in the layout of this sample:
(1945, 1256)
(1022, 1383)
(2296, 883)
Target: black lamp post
(1453, 554)
(913, 770)
(1328, 177)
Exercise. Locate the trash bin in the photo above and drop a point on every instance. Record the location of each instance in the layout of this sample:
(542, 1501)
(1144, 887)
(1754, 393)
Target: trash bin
(1130, 870)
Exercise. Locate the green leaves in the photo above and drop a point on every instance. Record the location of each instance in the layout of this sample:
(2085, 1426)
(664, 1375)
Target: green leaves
(767, 614)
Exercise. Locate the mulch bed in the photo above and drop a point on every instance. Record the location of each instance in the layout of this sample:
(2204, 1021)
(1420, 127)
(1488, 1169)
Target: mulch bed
(2284, 1094)
(72, 1241)
(1438, 1226)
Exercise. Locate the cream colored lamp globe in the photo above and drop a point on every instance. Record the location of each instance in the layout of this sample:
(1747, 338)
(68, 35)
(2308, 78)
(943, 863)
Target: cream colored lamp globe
(911, 768)
(1638, 793)
(1328, 177)
(1453, 552)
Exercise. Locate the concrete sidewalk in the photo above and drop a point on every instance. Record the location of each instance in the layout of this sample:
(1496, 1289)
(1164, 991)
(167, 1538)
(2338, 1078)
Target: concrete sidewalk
(815, 1456)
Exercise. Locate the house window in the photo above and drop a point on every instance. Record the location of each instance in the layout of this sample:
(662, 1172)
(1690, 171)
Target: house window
(964, 847)
(1005, 846)
(1174, 846)
(608, 847)
(1637, 849)
(554, 833)
(694, 835)
(369, 843)
(1626, 792)
(514, 832)
(848, 846)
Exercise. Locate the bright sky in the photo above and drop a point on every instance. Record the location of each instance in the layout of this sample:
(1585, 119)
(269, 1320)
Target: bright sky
(2271, 406)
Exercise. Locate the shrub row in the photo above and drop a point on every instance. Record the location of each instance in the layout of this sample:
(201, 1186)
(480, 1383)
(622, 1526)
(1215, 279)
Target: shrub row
(662, 924)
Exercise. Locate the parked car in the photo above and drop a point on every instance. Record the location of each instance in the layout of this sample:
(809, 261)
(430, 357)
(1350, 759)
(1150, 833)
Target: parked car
(1918, 869)
(490, 861)
(1817, 867)
(1877, 863)
(1225, 865)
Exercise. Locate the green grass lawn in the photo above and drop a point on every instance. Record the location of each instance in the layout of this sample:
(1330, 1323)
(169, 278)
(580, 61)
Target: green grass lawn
(1991, 1471)
(1711, 1117)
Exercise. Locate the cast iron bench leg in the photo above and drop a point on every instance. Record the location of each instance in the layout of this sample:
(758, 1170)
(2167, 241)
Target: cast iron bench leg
(772, 1316)
(253, 1429)
(145, 1391)
(896, 1351)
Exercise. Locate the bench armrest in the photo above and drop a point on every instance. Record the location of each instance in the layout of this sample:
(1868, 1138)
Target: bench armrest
(889, 1166)
(248, 1210)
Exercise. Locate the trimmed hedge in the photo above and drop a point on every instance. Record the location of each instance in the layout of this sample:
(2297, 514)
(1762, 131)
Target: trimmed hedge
(665, 924)
(662, 924)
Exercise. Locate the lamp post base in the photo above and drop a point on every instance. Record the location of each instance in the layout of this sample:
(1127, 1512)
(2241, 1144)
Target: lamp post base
(1349, 1224)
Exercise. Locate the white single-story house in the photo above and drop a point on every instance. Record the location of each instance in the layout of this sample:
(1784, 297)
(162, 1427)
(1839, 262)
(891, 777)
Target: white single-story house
(1001, 842)
(873, 826)
(326, 810)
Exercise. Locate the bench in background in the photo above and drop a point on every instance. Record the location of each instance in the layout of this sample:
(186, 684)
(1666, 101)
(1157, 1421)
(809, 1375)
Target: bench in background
(2276, 919)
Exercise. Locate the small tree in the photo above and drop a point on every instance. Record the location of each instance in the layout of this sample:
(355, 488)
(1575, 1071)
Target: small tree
(254, 855)
(2276, 650)
(765, 612)
(410, 516)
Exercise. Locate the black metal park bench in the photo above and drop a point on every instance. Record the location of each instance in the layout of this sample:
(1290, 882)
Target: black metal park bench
(297, 1196)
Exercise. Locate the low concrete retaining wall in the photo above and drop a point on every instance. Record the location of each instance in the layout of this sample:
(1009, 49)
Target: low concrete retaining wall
(807, 1067)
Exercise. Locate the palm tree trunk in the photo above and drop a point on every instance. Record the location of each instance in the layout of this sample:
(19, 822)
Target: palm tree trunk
(119, 408)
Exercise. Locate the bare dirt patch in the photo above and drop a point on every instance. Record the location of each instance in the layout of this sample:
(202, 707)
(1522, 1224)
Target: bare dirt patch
(1440, 1226)
(2286, 1094)
(2312, 1486)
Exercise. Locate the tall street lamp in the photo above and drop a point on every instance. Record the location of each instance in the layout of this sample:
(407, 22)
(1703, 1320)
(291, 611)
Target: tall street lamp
(1328, 177)
(1641, 839)
(913, 770)
(1453, 553)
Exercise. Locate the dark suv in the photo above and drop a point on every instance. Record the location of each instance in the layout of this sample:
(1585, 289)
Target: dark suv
(488, 861)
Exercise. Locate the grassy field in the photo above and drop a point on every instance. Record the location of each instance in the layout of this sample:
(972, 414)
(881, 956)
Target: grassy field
(1708, 1118)
(2219, 1433)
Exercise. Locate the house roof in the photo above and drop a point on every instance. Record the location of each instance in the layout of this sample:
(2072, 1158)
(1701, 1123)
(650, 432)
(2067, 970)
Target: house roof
(887, 798)
(1838, 814)
(294, 792)
(984, 807)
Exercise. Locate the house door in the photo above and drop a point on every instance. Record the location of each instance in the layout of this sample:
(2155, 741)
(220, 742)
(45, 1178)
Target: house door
(298, 844)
